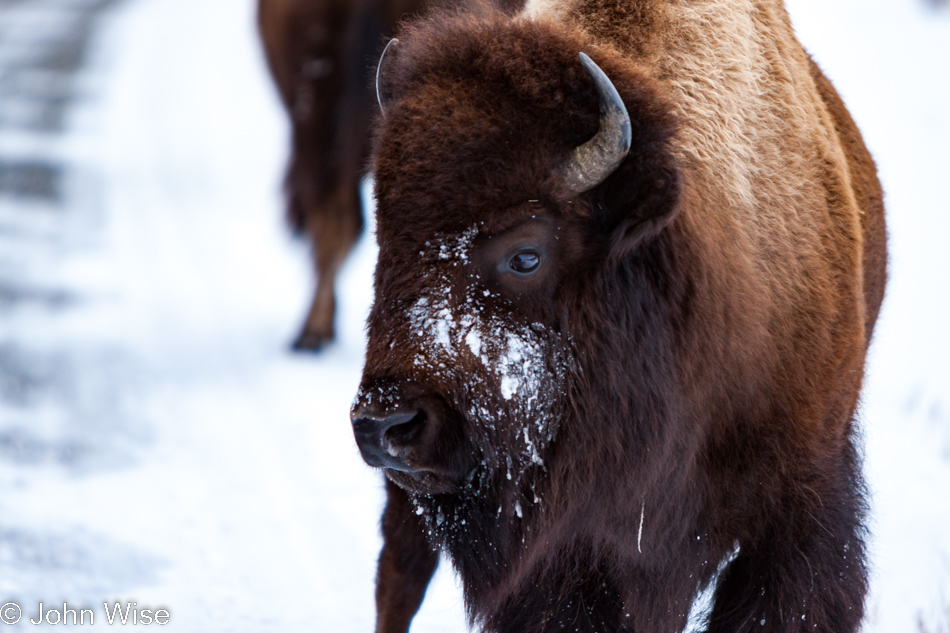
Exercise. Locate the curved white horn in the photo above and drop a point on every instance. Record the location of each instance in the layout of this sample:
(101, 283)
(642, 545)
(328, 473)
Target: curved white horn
(591, 163)
(383, 102)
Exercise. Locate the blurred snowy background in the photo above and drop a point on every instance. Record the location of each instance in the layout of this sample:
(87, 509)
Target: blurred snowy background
(158, 443)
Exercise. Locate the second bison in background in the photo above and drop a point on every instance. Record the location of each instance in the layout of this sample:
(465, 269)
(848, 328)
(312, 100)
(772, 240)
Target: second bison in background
(320, 54)
(622, 307)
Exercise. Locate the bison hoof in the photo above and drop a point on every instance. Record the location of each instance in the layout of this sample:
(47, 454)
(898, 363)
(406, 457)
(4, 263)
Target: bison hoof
(311, 341)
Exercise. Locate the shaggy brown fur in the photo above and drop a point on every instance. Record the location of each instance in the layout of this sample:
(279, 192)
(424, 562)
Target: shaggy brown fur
(667, 403)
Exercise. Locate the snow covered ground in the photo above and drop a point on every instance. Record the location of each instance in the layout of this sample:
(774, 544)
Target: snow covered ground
(158, 443)
(889, 59)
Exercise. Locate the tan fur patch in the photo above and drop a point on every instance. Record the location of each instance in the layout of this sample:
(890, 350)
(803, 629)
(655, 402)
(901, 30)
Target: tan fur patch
(757, 143)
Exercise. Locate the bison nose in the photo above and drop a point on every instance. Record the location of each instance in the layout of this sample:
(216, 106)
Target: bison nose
(383, 437)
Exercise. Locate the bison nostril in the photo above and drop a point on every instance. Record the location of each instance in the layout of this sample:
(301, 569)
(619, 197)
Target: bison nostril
(381, 436)
(378, 425)
(404, 431)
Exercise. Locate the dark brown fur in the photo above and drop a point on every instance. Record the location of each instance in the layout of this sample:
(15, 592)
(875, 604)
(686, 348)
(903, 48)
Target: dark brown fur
(699, 368)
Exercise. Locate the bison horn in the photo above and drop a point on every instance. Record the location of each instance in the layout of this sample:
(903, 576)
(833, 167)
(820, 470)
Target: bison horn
(383, 100)
(591, 163)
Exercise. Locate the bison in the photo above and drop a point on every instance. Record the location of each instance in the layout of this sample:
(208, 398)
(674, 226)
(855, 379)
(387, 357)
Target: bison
(320, 54)
(631, 253)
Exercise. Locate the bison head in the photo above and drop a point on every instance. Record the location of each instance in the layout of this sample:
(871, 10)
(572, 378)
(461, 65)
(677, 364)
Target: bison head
(503, 206)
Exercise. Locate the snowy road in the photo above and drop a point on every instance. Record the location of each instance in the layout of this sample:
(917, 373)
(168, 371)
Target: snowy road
(158, 444)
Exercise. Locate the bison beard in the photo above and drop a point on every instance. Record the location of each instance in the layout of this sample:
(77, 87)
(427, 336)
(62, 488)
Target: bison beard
(601, 404)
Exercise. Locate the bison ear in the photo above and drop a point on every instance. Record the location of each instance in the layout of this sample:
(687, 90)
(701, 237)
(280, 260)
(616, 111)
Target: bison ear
(638, 203)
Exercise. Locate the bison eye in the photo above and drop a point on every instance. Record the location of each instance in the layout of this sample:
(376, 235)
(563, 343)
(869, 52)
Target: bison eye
(524, 262)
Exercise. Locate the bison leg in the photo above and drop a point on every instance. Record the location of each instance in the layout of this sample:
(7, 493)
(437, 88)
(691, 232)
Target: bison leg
(333, 229)
(406, 564)
(807, 573)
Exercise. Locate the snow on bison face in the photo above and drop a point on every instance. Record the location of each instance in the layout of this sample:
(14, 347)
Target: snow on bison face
(494, 230)
(467, 360)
